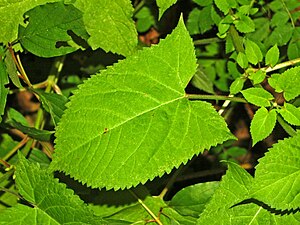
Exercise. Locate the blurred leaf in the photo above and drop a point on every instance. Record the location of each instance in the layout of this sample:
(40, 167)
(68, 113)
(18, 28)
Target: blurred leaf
(191, 201)
(6, 144)
(236, 151)
(3, 90)
(193, 21)
(272, 56)
(145, 19)
(203, 2)
(290, 113)
(163, 5)
(242, 60)
(15, 115)
(201, 81)
(41, 135)
(262, 124)
(244, 24)
(258, 96)
(12, 69)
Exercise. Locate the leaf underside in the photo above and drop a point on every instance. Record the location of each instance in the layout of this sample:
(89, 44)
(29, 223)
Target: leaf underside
(133, 122)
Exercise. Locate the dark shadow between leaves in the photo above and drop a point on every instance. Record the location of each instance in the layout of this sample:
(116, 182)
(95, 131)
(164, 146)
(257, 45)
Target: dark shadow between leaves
(267, 207)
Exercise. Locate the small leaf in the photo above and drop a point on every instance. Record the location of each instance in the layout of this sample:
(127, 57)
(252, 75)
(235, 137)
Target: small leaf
(191, 201)
(15, 115)
(244, 24)
(277, 176)
(237, 85)
(53, 104)
(110, 25)
(206, 24)
(12, 69)
(163, 5)
(288, 82)
(274, 82)
(41, 135)
(262, 124)
(242, 60)
(272, 56)
(135, 114)
(3, 90)
(222, 5)
(258, 96)
(290, 113)
(257, 77)
(201, 81)
(51, 37)
(253, 52)
(145, 19)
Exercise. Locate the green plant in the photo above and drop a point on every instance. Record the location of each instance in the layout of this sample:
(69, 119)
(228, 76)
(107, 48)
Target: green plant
(134, 120)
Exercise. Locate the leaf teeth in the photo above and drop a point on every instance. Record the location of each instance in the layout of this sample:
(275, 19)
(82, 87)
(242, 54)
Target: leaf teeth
(150, 126)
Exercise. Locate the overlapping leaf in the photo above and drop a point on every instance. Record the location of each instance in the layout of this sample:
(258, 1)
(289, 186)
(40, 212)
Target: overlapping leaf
(288, 82)
(52, 36)
(53, 202)
(11, 12)
(234, 188)
(109, 25)
(277, 176)
(133, 121)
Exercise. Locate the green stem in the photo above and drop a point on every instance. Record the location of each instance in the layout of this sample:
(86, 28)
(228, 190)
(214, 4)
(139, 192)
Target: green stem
(157, 220)
(208, 41)
(288, 12)
(138, 7)
(288, 129)
(52, 79)
(237, 42)
(171, 181)
(281, 65)
(215, 97)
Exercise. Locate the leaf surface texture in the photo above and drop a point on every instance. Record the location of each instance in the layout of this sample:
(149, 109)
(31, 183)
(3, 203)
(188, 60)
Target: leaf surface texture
(133, 121)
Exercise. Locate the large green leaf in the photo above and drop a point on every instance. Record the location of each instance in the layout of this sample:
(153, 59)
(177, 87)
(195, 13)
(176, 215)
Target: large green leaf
(52, 35)
(53, 202)
(109, 25)
(234, 188)
(11, 12)
(133, 121)
(277, 176)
